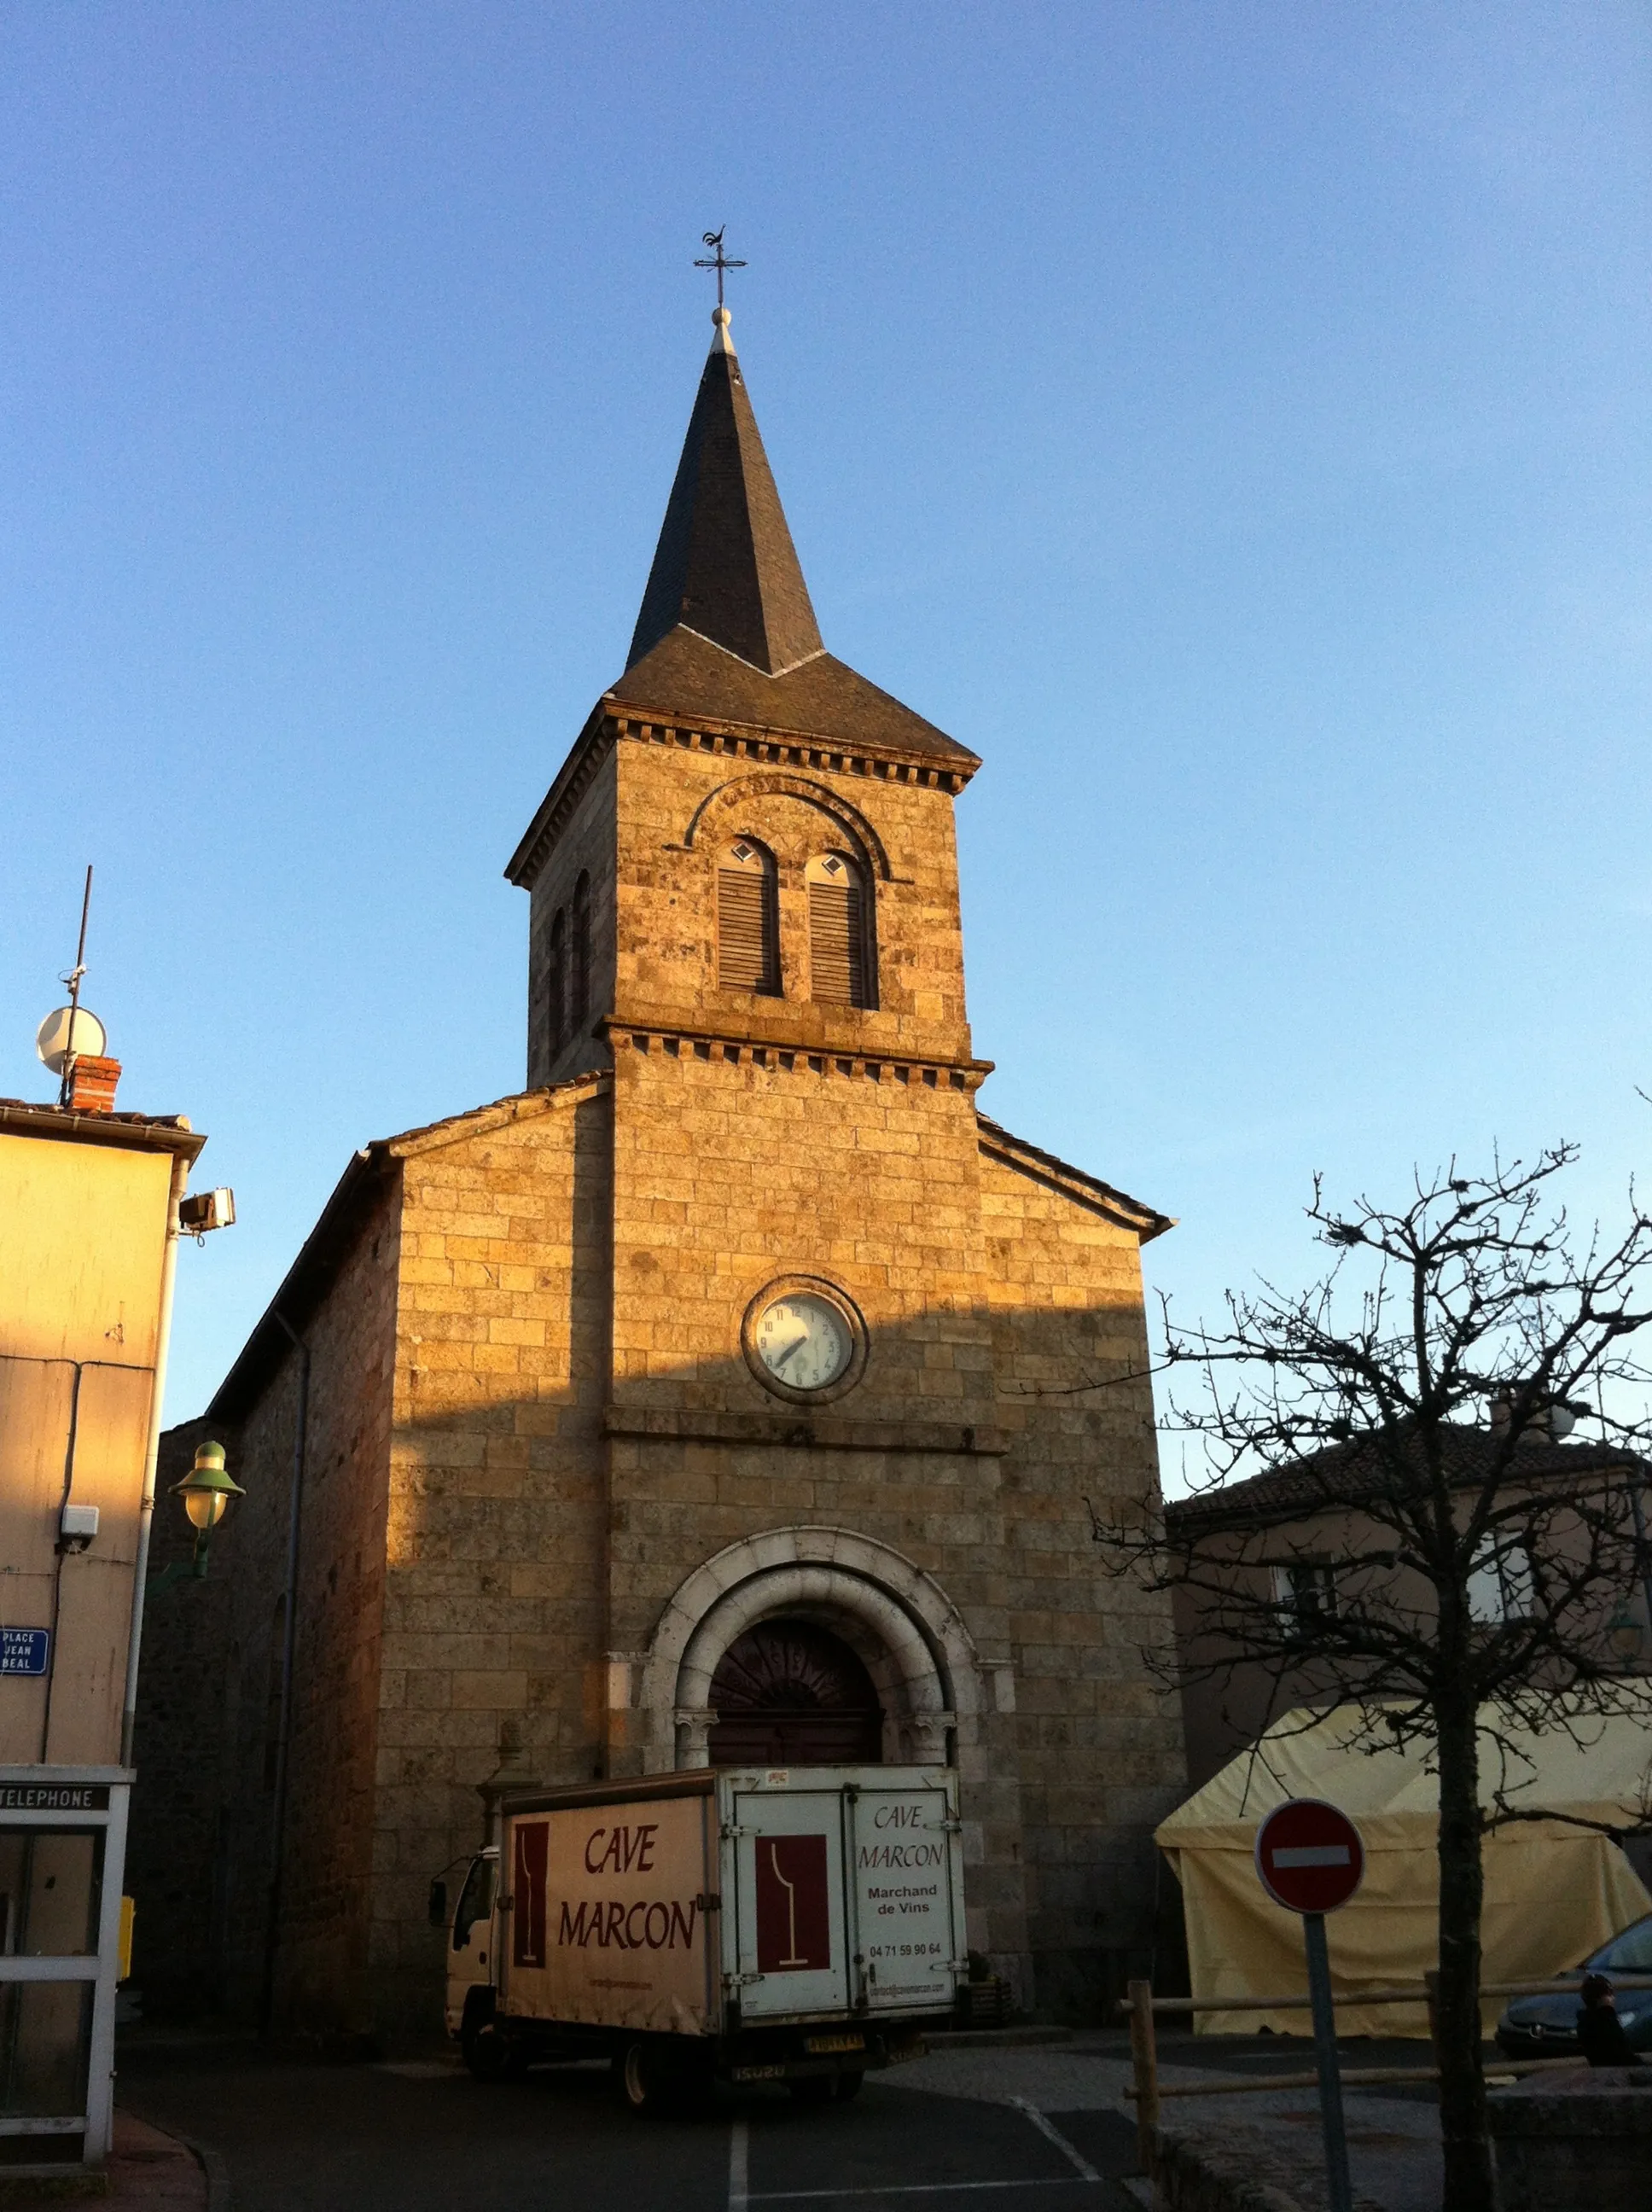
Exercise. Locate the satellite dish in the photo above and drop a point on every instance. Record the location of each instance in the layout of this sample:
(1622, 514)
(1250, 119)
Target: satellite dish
(54, 1043)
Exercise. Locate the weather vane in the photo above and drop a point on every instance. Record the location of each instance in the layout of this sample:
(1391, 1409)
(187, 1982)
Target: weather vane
(720, 261)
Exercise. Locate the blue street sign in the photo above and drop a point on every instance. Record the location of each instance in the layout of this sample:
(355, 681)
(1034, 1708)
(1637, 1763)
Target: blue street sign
(23, 1650)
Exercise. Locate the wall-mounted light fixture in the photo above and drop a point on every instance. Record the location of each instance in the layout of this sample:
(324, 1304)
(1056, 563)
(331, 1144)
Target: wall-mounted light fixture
(206, 1491)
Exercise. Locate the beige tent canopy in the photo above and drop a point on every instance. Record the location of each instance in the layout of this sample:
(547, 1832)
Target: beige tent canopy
(1553, 1894)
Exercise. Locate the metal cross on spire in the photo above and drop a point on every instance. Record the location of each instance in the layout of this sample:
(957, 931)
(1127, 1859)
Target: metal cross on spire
(720, 261)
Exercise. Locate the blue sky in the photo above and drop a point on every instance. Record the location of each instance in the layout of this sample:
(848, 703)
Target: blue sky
(1230, 420)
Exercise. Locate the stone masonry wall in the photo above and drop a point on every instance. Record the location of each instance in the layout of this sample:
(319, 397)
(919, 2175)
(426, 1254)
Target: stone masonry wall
(587, 845)
(730, 1173)
(189, 1698)
(320, 1975)
(1099, 1745)
(494, 1605)
(677, 808)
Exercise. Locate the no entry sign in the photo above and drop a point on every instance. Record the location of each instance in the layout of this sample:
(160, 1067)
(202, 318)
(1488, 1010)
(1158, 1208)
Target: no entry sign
(1310, 1857)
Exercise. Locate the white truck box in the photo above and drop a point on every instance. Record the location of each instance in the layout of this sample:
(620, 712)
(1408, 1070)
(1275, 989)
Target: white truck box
(793, 1924)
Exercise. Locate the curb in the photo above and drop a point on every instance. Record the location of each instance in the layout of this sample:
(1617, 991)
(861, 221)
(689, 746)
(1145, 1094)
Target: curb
(994, 2039)
(212, 2164)
(215, 2168)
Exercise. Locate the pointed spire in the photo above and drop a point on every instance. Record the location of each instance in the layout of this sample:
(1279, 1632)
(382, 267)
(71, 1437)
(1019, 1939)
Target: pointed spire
(725, 565)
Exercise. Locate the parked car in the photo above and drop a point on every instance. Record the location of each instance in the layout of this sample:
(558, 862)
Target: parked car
(1547, 2027)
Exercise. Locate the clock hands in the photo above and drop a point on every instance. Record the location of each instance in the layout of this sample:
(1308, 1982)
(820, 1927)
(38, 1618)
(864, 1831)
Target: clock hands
(815, 1331)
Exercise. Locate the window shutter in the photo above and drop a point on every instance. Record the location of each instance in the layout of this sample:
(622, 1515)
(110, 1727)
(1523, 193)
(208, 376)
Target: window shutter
(747, 942)
(836, 944)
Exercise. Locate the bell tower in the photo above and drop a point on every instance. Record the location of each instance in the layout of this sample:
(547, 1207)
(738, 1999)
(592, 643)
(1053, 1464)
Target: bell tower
(748, 840)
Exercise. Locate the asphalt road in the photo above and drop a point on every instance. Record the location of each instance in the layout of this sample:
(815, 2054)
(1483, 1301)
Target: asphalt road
(422, 2137)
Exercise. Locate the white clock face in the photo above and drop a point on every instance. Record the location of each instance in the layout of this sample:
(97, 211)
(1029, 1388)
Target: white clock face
(804, 1341)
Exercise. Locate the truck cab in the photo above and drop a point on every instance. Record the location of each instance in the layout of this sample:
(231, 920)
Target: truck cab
(471, 1943)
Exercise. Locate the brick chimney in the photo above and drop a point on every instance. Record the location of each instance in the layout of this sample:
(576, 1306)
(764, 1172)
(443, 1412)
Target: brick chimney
(92, 1084)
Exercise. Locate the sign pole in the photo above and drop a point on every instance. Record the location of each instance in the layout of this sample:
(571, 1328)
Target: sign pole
(1310, 1858)
(1339, 2189)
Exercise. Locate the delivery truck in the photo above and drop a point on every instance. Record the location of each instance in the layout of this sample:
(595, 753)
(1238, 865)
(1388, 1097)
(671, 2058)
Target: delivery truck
(797, 1925)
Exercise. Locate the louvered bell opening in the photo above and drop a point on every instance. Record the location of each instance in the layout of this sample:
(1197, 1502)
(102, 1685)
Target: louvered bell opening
(557, 986)
(838, 956)
(580, 965)
(747, 950)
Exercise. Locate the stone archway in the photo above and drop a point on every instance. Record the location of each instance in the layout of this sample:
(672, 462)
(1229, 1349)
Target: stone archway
(911, 1639)
(851, 822)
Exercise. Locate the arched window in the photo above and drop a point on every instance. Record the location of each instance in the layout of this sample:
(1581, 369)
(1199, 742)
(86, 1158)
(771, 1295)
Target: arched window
(748, 920)
(790, 1693)
(556, 983)
(579, 980)
(840, 963)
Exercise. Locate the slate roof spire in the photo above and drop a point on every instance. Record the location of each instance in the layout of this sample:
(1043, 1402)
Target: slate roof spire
(725, 566)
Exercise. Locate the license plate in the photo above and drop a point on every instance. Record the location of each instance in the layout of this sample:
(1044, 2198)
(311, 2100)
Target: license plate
(819, 2043)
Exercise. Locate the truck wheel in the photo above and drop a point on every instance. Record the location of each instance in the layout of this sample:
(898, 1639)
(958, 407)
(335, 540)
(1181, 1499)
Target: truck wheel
(637, 2075)
(491, 2055)
(848, 2083)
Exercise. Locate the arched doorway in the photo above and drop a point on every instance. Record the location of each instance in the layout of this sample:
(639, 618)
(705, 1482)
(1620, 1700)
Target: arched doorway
(790, 1693)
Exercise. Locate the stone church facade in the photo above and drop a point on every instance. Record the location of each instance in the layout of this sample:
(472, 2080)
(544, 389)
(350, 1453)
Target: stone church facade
(719, 1396)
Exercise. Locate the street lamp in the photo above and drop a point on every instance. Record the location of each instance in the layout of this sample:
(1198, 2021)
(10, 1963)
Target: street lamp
(206, 1490)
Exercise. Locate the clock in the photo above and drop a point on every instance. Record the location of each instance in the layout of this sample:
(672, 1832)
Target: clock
(804, 1338)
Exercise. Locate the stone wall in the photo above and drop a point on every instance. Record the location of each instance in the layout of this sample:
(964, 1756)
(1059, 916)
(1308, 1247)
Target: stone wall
(986, 1298)
(587, 845)
(177, 1855)
(494, 1603)
(1099, 1747)
(219, 1643)
(678, 806)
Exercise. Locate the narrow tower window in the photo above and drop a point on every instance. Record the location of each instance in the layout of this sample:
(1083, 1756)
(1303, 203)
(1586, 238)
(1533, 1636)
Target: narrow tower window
(579, 982)
(556, 983)
(748, 920)
(839, 965)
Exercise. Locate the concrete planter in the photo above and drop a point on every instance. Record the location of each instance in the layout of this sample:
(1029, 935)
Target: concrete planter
(1583, 2137)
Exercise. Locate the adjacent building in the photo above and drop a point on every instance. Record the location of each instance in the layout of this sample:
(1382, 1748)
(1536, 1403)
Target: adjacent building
(88, 1210)
(726, 1394)
(1303, 1541)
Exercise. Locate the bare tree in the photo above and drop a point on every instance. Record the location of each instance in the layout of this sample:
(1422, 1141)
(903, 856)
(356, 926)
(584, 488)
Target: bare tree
(1417, 1393)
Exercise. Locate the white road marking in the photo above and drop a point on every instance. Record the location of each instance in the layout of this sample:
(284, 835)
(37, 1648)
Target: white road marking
(1047, 2129)
(741, 2195)
(913, 2189)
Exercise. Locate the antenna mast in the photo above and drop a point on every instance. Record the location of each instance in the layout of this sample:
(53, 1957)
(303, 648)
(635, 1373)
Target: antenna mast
(73, 980)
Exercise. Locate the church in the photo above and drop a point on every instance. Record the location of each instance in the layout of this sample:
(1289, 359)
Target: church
(736, 1391)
